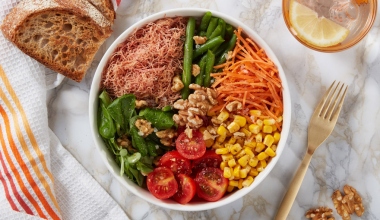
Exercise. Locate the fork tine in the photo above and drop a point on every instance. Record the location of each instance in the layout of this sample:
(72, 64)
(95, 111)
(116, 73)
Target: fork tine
(335, 98)
(321, 105)
(337, 111)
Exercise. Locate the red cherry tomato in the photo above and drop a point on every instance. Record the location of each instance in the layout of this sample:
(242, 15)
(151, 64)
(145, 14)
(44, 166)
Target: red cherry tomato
(211, 184)
(161, 183)
(186, 189)
(209, 159)
(193, 148)
(177, 163)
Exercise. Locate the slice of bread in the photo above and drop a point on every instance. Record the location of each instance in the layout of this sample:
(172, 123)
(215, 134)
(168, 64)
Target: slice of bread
(105, 7)
(64, 35)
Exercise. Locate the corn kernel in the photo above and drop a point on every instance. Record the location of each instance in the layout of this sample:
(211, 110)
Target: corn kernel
(227, 172)
(247, 182)
(274, 147)
(211, 113)
(253, 172)
(236, 172)
(253, 162)
(276, 137)
(232, 140)
(202, 129)
(240, 120)
(250, 144)
(233, 183)
(221, 138)
(243, 161)
(223, 164)
(227, 157)
(268, 140)
(243, 173)
(267, 129)
(223, 116)
(235, 149)
(240, 154)
(254, 128)
(259, 138)
(270, 152)
(240, 183)
(262, 156)
(246, 132)
(217, 145)
(221, 130)
(263, 163)
(232, 162)
(209, 142)
(255, 112)
(269, 121)
(259, 147)
(221, 151)
(240, 141)
(233, 127)
(279, 119)
(249, 152)
(260, 123)
(230, 188)
(274, 127)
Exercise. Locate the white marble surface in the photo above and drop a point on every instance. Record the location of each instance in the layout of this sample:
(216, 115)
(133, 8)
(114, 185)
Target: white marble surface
(351, 155)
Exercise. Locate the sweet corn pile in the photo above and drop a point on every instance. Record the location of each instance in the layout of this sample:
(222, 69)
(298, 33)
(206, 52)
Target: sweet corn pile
(246, 148)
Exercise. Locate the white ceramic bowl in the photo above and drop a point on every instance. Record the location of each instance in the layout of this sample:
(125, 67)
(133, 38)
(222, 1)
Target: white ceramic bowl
(145, 194)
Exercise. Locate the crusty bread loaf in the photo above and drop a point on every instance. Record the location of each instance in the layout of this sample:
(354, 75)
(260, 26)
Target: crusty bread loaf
(64, 35)
(105, 7)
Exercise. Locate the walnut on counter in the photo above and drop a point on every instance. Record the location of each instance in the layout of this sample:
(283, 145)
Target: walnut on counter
(347, 203)
(144, 126)
(194, 109)
(321, 213)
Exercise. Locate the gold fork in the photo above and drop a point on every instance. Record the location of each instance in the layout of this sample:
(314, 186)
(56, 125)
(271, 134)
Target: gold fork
(321, 125)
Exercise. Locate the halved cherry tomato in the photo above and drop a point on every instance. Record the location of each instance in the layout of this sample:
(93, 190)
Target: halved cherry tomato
(162, 183)
(209, 159)
(177, 163)
(211, 184)
(191, 148)
(186, 189)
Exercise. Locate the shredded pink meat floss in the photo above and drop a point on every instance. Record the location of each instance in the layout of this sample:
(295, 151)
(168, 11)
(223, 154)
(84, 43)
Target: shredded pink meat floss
(147, 61)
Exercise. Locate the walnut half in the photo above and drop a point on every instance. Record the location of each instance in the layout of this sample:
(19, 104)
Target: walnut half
(321, 213)
(348, 203)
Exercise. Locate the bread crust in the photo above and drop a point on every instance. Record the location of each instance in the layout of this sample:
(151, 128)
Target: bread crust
(14, 27)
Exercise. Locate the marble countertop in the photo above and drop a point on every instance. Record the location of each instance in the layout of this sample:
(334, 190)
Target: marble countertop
(351, 155)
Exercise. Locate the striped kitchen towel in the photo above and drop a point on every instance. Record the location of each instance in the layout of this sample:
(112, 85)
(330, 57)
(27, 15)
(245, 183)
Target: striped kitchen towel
(39, 178)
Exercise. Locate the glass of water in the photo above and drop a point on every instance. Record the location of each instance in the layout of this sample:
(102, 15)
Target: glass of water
(329, 25)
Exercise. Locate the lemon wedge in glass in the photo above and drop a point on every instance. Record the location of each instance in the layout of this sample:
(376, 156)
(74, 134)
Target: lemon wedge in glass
(315, 30)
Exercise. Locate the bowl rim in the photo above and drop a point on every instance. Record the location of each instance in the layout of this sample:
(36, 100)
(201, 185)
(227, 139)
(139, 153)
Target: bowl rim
(145, 194)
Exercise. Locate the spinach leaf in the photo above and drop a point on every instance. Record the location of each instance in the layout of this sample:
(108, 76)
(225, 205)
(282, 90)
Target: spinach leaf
(138, 141)
(121, 110)
(105, 98)
(159, 119)
(106, 125)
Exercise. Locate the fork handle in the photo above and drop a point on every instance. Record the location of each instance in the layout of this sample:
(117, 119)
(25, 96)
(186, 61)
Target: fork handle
(295, 185)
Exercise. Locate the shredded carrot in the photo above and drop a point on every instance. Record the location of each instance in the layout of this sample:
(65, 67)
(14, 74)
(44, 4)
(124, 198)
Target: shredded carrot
(251, 78)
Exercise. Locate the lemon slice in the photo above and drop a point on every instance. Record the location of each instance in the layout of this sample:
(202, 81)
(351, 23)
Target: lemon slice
(315, 30)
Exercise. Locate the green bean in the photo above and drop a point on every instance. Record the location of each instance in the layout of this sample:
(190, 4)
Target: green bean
(209, 45)
(202, 33)
(202, 65)
(216, 32)
(211, 26)
(229, 30)
(205, 21)
(223, 24)
(209, 66)
(187, 58)
(231, 45)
